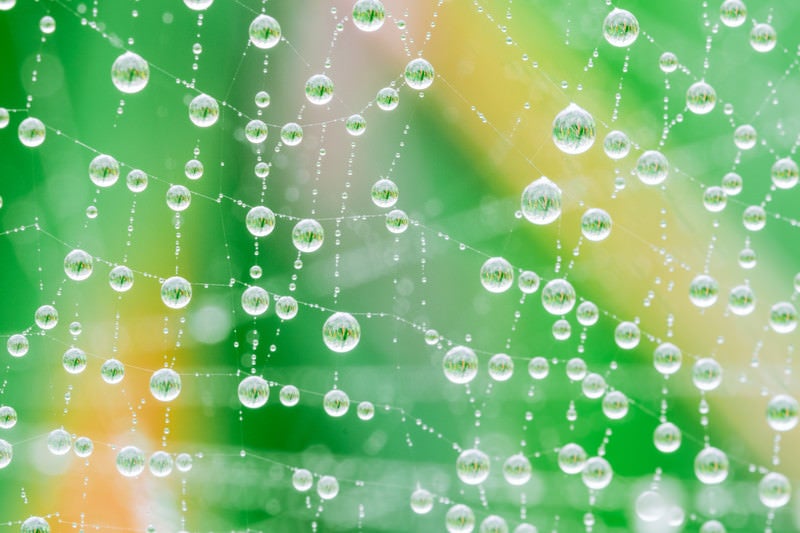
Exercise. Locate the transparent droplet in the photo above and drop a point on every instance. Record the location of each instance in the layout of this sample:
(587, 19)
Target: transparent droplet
(703, 291)
(365, 411)
(160, 464)
(711, 466)
(104, 170)
(265, 32)
(667, 358)
(136, 181)
(178, 198)
(35, 524)
(183, 462)
(668, 62)
(319, 89)
(576, 369)
(493, 524)
(754, 218)
(574, 130)
(497, 275)
(733, 13)
(620, 28)
(387, 99)
(596, 224)
(253, 392)
(558, 297)
(130, 461)
(130, 73)
(732, 183)
(59, 442)
(260, 221)
(112, 371)
(336, 403)
(256, 131)
(341, 332)
(593, 386)
(203, 111)
(541, 201)
(706, 374)
(8, 417)
(291, 134)
(397, 221)
(714, 199)
(459, 519)
(368, 15)
(286, 308)
(472, 466)
(517, 470)
(308, 235)
(120, 278)
(385, 193)
(571, 458)
(46, 317)
(421, 501)
(701, 98)
(561, 329)
(419, 74)
(261, 170)
(763, 38)
(597, 473)
(667, 437)
(528, 282)
(615, 405)
(744, 137)
(74, 360)
(652, 168)
(31, 132)
(616, 145)
(262, 99)
(460, 365)
(774, 490)
(741, 301)
(78, 265)
(198, 5)
(538, 368)
(783, 317)
(83, 447)
(782, 413)
(747, 258)
(165, 384)
(176, 292)
(432, 337)
(289, 395)
(501, 367)
(302, 480)
(355, 125)
(255, 301)
(587, 314)
(47, 24)
(785, 173)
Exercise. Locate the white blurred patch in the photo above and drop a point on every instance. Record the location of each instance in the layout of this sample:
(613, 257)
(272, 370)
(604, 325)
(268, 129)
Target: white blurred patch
(210, 324)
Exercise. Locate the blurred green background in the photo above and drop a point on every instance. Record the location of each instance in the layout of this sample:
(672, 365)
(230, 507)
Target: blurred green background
(461, 156)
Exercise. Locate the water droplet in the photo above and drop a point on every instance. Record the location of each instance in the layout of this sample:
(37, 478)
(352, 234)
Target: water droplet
(574, 130)
(253, 392)
(265, 32)
(620, 28)
(130, 73)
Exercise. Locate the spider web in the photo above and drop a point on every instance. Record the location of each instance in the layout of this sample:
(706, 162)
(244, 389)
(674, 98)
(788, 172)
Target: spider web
(461, 153)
